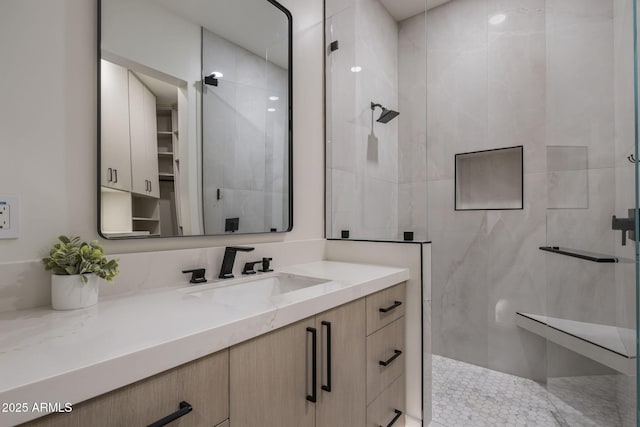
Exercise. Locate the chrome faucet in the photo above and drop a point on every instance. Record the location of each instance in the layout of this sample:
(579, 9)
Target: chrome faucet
(226, 271)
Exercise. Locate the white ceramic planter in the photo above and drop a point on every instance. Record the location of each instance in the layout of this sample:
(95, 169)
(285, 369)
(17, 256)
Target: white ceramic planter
(70, 292)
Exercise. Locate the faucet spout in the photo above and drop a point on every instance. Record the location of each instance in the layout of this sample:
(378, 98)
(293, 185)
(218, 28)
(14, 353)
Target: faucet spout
(226, 271)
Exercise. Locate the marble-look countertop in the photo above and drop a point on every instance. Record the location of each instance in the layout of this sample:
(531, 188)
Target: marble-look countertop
(71, 356)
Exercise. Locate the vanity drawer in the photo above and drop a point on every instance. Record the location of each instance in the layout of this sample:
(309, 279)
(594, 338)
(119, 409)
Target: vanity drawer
(389, 406)
(384, 307)
(385, 358)
(203, 383)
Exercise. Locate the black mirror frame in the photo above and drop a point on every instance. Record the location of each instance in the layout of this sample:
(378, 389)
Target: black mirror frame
(99, 141)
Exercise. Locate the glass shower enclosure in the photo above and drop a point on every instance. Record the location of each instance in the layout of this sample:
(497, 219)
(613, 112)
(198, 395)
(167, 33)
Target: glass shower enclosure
(534, 271)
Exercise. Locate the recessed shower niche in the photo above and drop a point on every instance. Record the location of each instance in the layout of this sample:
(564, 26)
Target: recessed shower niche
(490, 179)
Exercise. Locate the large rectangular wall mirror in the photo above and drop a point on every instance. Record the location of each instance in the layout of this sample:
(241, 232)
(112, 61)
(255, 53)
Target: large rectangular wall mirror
(195, 118)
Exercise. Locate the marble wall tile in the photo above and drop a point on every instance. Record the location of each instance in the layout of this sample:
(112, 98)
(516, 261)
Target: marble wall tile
(333, 7)
(460, 295)
(456, 83)
(580, 290)
(243, 141)
(379, 208)
(567, 177)
(412, 99)
(343, 149)
(412, 209)
(517, 283)
(562, 362)
(579, 68)
(516, 79)
(248, 205)
(587, 229)
(346, 198)
(27, 285)
(626, 399)
(412, 127)
(441, 213)
(623, 80)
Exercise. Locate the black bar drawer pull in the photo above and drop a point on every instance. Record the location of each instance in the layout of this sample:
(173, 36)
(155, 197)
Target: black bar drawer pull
(185, 408)
(313, 397)
(395, 418)
(327, 387)
(396, 354)
(115, 174)
(109, 175)
(391, 307)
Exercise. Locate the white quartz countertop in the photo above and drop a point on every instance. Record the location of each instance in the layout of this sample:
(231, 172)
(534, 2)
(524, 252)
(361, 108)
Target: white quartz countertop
(51, 356)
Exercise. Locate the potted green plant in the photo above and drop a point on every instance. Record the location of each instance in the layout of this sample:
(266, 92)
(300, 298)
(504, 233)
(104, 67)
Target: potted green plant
(76, 268)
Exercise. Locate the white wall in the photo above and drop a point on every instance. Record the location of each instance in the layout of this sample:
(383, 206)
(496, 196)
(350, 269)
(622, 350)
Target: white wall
(48, 122)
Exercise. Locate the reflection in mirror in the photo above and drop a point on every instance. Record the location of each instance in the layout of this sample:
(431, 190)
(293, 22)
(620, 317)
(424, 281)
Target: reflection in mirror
(195, 134)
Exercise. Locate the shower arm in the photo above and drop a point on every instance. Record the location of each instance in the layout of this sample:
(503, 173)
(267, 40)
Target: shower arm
(373, 108)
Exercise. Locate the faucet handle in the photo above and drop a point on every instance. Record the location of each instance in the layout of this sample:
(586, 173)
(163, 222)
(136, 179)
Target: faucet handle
(248, 267)
(197, 275)
(266, 263)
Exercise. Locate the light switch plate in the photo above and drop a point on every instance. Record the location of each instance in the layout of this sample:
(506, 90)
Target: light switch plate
(9, 217)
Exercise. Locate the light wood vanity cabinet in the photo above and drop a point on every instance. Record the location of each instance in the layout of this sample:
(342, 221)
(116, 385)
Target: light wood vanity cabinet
(385, 357)
(271, 378)
(203, 383)
(324, 371)
(272, 375)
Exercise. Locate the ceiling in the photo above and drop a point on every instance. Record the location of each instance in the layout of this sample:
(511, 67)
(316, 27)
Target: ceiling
(403, 9)
(255, 25)
(166, 93)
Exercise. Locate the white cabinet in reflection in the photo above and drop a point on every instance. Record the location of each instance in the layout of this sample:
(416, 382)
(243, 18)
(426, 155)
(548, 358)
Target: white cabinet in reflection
(114, 126)
(144, 146)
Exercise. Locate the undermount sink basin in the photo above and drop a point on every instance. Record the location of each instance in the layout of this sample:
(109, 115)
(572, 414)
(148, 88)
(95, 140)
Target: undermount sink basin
(262, 286)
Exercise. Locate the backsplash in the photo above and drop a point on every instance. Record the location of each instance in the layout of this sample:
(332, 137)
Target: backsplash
(27, 285)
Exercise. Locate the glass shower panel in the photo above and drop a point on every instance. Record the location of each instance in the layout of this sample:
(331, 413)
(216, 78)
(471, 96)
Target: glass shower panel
(376, 160)
(245, 138)
(590, 310)
(343, 154)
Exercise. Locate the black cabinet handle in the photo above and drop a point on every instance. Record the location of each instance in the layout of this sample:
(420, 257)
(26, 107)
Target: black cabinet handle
(109, 175)
(391, 307)
(313, 397)
(185, 408)
(396, 354)
(150, 186)
(115, 174)
(395, 418)
(327, 387)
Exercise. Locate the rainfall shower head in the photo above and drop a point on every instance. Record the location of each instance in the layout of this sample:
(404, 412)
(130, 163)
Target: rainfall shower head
(386, 116)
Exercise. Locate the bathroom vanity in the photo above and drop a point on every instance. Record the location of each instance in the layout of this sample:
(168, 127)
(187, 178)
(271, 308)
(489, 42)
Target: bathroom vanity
(312, 344)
